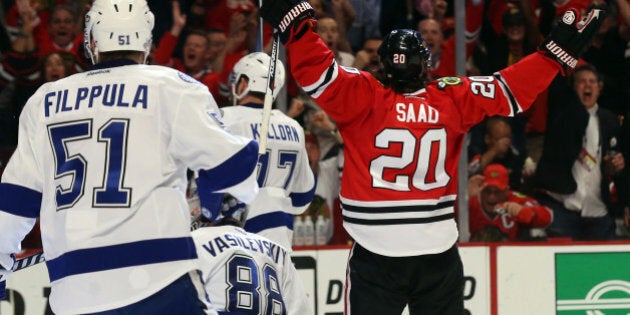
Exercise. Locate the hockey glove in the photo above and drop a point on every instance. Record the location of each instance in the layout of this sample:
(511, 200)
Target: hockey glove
(292, 18)
(570, 38)
(233, 211)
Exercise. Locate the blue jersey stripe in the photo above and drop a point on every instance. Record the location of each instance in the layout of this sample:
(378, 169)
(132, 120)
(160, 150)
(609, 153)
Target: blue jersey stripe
(19, 200)
(232, 171)
(303, 199)
(269, 221)
(120, 256)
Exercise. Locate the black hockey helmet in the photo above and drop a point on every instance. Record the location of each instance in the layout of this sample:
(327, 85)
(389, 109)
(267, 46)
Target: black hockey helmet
(405, 60)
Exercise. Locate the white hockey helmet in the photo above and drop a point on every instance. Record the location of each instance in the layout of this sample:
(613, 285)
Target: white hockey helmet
(255, 67)
(118, 25)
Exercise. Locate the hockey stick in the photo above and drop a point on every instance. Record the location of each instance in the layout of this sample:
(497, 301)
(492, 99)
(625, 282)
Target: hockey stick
(28, 261)
(38, 257)
(271, 78)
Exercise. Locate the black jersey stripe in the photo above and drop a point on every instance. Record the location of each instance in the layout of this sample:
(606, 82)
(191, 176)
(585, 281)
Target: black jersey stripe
(438, 218)
(393, 209)
(510, 96)
(329, 75)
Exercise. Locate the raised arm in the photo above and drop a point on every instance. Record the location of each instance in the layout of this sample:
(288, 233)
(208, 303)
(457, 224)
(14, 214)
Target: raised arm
(164, 51)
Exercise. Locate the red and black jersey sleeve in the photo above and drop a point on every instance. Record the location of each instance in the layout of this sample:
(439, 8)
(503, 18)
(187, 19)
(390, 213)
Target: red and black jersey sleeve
(317, 72)
(506, 93)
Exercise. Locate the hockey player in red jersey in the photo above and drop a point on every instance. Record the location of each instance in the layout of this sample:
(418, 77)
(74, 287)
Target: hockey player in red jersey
(402, 142)
(493, 204)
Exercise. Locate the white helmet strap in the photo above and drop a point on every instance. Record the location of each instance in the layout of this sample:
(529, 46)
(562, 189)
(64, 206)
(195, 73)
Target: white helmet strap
(238, 97)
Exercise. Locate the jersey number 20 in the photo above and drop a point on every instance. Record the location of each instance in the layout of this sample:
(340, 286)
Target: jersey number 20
(410, 152)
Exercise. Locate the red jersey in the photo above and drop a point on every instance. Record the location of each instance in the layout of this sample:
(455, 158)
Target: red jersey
(401, 151)
(532, 215)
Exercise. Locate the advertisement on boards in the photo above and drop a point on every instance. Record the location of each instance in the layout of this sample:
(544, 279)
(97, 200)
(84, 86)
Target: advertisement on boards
(592, 283)
(563, 280)
(546, 280)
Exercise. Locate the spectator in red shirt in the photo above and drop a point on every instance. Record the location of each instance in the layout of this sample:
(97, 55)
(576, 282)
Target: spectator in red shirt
(442, 49)
(196, 48)
(492, 204)
(60, 35)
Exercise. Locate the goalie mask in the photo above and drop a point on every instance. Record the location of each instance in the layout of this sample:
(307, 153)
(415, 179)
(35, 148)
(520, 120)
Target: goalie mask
(118, 25)
(405, 60)
(255, 68)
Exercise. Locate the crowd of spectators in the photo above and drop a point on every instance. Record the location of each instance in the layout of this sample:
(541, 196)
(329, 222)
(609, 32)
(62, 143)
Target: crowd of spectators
(568, 151)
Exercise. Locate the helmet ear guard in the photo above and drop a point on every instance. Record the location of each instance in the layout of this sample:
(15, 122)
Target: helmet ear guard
(118, 25)
(405, 60)
(255, 67)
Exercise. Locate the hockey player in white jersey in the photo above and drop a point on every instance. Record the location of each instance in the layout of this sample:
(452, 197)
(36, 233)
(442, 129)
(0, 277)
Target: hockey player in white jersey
(102, 159)
(287, 184)
(245, 273)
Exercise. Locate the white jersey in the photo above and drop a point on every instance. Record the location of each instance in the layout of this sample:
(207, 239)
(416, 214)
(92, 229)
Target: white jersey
(287, 184)
(246, 273)
(104, 153)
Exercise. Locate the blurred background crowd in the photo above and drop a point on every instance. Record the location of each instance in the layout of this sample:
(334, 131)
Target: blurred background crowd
(557, 171)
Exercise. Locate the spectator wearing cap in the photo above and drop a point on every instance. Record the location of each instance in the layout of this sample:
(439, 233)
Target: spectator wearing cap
(492, 204)
(519, 36)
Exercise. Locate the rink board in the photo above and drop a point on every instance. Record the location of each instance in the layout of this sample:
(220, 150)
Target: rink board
(506, 279)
